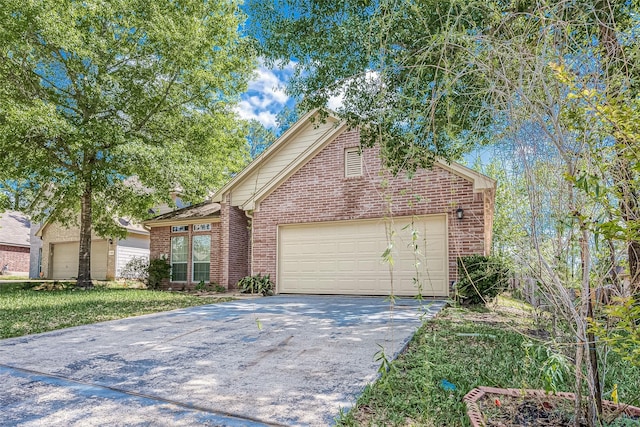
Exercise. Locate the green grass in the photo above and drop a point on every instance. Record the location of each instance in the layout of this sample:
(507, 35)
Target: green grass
(4, 277)
(410, 393)
(25, 312)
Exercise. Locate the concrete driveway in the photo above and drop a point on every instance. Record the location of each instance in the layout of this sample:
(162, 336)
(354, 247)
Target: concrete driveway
(283, 360)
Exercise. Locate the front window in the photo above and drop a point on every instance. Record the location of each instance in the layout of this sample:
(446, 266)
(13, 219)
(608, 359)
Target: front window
(201, 254)
(179, 256)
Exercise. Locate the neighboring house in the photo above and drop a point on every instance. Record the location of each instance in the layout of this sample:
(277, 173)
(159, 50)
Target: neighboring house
(35, 261)
(317, 214)
(60, 246)
(14, 243)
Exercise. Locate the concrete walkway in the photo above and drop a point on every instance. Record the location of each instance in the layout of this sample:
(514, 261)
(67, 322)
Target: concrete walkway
(284, 360)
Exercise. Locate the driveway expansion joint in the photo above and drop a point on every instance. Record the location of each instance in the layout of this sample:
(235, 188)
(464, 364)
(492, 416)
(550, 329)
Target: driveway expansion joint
(43, 376)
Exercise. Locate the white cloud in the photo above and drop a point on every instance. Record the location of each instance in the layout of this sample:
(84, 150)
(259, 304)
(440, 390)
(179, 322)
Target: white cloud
(369, 82)
(336, 101)
(266, 94)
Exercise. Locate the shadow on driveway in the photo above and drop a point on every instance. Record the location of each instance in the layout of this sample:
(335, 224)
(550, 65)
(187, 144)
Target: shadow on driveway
(283, 360)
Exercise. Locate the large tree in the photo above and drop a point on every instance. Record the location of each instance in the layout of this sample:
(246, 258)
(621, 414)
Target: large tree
(110, 106)
(430, 78)
(423, 78)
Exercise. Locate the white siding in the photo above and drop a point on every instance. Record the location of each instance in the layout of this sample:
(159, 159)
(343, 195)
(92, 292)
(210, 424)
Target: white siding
(132, 246)
(278, 161)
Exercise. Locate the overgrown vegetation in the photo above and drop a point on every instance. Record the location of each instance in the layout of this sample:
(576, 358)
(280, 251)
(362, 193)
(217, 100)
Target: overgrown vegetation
(256, 284)
(27, 311)
(209, 287)
(481, 278)
(463, 349)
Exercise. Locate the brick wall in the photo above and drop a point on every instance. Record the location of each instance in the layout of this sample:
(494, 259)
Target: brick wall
(320, 192)
(234, 244)
(16, 258)
(160, 245)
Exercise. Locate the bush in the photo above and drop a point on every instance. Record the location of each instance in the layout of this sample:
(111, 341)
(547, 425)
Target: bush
(256, 284)
(136, 269)
(159, 269)
(481, 278)
(213, 286)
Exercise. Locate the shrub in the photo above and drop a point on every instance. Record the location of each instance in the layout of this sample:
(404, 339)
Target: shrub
(159, 269)
(481, 278)
(621, 330)
(136, 269)
(211, 287)
(256, 284)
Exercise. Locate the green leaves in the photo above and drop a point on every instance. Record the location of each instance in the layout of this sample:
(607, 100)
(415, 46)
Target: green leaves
(99, 92)
(402, 69)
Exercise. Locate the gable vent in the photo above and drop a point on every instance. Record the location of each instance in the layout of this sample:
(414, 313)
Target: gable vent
(352, 162)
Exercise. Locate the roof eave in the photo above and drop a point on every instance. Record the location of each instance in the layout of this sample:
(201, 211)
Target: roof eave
(181, 221)
(480, 181)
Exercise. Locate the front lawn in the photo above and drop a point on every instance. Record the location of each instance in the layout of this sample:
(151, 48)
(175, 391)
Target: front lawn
(458, 351)
(24, 312)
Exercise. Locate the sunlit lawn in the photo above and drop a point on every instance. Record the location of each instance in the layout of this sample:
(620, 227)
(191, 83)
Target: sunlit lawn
(24, 312)
(467, 349)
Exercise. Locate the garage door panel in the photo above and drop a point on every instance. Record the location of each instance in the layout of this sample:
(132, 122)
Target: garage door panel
(345, 257)
(65, 260)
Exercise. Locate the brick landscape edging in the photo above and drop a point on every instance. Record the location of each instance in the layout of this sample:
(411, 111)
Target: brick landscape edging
(475, 415)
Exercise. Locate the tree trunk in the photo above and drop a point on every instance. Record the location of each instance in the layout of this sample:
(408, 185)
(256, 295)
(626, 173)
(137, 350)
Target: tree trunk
(84, 260)
(625, 176)
(593, 378)
(630, 210)
(578, 402)
(633, 252)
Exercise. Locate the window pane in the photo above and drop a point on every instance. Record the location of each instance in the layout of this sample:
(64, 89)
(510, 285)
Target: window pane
(200, 271)
(179, 249)
(179, 272)
(201, 249)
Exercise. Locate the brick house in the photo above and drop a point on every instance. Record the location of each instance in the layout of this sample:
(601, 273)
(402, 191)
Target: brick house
(317, 213)
(14, 243)
(60, 246)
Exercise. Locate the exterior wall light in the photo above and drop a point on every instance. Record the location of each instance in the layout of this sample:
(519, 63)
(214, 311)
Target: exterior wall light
(460, 213)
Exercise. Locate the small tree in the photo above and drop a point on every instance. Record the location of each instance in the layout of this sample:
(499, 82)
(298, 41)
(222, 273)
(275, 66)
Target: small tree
(110, 105)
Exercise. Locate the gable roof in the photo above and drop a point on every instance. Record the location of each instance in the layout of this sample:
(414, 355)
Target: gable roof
(189, 214)
(15, 229)
(272, 178)
(125, 223)
(299, 143)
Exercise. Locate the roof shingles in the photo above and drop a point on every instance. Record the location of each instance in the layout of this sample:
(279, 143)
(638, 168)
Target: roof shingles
(14, 229)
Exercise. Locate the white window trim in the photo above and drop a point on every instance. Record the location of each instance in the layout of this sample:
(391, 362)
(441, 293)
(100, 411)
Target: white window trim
(201, 227)
(176, 228)
(193, 261)
(350, 165)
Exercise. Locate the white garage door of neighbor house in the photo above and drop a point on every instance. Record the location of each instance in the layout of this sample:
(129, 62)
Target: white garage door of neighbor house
(346, 257)
(65, 260)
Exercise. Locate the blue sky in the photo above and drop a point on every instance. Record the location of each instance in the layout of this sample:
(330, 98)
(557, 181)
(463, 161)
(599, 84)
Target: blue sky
(266, 95)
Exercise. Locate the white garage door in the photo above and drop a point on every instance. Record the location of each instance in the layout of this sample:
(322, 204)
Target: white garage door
(65, 260)
(346, 257)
